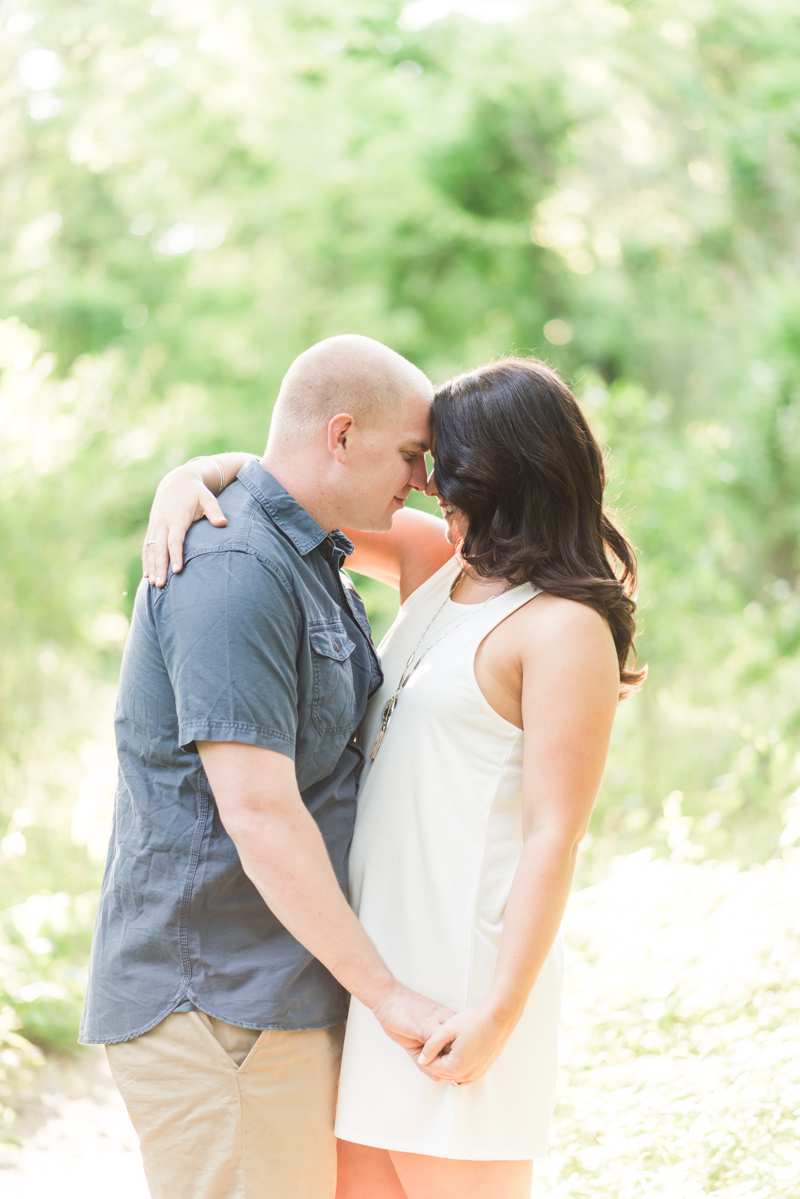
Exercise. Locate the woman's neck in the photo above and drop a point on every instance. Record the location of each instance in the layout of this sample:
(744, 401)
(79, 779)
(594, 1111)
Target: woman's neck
(470, 588)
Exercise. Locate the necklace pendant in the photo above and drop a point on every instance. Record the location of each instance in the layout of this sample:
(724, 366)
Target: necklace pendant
(414, 661)
(387, 716)
(374, 751)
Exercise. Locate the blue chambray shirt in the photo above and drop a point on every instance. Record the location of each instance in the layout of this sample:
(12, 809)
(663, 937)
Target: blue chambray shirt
(262, 640)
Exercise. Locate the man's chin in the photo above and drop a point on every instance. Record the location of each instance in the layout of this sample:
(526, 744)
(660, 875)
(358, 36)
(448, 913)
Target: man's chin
(373, 524)
(397, 506)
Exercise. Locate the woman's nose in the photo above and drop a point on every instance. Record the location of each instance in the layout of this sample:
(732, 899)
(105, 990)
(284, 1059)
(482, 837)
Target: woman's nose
(430, 486)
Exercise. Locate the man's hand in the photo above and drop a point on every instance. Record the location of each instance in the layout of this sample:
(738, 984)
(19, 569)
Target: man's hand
(181, 498)
(411, 1020)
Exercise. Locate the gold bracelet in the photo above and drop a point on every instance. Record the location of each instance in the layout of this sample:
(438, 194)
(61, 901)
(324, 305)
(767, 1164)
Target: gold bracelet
(217, 463)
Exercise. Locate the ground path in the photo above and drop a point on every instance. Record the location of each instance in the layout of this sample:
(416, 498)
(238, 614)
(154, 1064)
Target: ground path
(680, 1051)
(79, 1143)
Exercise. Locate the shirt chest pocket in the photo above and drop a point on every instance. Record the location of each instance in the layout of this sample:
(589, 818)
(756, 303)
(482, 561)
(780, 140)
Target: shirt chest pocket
(333, 704)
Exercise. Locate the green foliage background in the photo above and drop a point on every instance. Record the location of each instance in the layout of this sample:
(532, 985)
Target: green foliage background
(195, 190)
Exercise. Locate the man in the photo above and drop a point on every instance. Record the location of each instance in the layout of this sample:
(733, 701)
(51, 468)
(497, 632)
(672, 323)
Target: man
(224, 945)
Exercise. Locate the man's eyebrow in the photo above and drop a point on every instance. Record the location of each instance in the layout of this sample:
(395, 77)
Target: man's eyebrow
(422, 446)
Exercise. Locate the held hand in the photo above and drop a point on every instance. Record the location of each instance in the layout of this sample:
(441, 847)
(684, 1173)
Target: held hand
(181, 498)
(464, 1048)
(411, 1020)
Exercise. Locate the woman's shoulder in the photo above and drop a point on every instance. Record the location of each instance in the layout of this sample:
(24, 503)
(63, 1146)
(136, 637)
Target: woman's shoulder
(565, 649)
(555, 623)
(556, 611)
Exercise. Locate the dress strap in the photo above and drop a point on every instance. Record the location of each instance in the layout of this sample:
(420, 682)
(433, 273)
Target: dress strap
(504, 606)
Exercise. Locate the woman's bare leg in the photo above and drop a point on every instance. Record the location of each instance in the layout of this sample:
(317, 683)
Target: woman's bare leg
(425, 1177)
(366, 1173)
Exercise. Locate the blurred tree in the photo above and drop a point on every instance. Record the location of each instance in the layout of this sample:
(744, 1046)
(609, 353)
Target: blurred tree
(195, 191)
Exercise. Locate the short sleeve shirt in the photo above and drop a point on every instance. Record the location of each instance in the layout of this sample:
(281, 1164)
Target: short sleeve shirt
(262, 640)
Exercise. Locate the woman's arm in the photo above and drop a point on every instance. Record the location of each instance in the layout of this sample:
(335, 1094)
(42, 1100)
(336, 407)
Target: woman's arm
(414, 548)
(185, 495)
(409, 553)
(570, 691)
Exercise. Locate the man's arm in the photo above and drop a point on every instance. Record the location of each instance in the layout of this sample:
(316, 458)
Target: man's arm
(284, 855)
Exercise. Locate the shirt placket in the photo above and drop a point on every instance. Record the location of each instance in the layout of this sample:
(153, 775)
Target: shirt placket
(336, 561)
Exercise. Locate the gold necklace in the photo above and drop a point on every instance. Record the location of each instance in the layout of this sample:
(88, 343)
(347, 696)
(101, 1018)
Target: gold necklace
(414, 661)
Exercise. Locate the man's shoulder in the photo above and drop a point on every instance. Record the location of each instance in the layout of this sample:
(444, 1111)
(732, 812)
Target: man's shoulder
(244, 567)
(250, 531)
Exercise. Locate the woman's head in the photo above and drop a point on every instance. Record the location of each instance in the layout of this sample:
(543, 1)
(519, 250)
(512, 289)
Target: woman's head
(521, 467)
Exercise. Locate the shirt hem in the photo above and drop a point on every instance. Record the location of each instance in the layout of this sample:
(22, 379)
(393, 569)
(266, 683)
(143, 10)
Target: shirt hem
(260, 1027)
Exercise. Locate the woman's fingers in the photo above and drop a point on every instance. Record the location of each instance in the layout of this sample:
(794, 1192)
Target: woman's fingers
(146, 555)
(443, 1036)
(447, 1069)
(414, 1055)
(179, 502)
(149, 553)
(211, 509)
(154, 541)
(163, 554)
(439, 1059)
(170, 552)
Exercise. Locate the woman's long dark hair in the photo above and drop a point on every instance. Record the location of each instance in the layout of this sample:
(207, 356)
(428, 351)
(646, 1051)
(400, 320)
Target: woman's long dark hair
(515, 454)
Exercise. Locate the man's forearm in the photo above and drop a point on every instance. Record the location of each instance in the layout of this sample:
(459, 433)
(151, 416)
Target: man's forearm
(287, 860)
(283, 853)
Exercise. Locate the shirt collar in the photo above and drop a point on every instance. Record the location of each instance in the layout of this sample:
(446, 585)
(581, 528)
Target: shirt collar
(290, 517)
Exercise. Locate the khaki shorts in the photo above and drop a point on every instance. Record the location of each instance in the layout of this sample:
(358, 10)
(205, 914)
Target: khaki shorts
(229, 1113)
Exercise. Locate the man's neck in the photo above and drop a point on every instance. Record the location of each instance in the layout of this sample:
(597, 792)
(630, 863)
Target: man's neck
(296, 474)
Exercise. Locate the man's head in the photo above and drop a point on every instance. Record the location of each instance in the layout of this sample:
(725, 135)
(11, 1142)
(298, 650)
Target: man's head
(349, 431)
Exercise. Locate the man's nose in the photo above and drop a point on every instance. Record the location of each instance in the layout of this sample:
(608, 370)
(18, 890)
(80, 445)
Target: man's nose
(419, 476)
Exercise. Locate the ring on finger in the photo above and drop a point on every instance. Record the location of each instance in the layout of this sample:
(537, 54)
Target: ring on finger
(453, 1083)
(149, 542)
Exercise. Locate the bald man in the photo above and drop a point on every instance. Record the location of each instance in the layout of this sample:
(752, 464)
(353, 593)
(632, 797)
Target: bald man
(224, 946)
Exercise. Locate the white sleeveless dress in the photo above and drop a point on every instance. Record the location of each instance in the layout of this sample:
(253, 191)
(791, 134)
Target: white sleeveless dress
(437, 840)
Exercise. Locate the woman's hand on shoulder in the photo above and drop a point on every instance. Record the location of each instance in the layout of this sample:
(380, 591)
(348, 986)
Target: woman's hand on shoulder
(465, 1046)
(181, 498)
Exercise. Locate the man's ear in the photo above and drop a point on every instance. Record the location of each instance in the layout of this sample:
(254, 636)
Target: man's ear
(340, 429)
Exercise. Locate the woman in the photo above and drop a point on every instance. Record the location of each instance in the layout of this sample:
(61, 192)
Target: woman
(486, 747)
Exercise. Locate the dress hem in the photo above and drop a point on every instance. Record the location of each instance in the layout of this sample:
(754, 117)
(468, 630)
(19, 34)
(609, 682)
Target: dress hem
(398, 1146)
